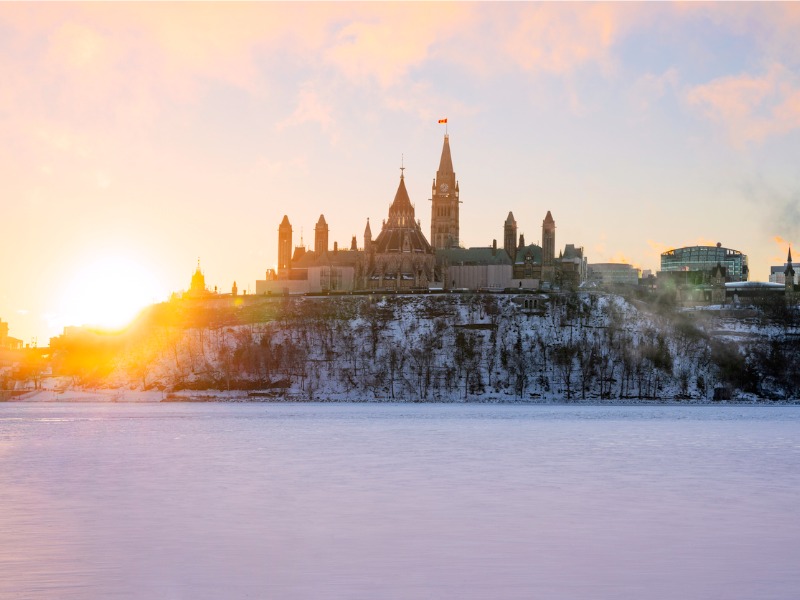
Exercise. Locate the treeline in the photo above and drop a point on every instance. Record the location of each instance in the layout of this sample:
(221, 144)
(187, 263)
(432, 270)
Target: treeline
(446, 348)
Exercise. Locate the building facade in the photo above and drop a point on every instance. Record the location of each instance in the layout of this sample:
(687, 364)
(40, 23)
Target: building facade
(706, 258)
(401, 258)
(475, 268)
(535, 266)
(613, 274)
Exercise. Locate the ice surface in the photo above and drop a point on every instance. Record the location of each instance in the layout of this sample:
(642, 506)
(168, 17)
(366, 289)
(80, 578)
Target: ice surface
(398, 501)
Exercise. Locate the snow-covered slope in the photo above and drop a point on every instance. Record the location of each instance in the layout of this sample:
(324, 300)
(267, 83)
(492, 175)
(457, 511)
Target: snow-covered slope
(465, 347)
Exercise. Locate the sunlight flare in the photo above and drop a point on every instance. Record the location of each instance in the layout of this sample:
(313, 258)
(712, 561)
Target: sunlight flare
(108, 292)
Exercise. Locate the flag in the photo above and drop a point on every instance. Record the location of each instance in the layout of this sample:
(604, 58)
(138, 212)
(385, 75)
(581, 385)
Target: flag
(442, 120)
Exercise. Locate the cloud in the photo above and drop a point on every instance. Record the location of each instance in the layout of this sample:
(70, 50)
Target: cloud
(782, 248)
(553, 38)
(274, 168)
(650, 88)
(311, 108)
(383, 42)
(658, 248)
(428, 103)
(751, 108)
(773, 26)
(778, 209)
(620, 257)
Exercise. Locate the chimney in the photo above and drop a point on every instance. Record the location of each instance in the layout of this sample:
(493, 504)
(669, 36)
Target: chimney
(335, 246)
(494, 247)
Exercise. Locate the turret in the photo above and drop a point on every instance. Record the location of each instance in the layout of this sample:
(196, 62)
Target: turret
(284, 247)
(510, 236)
(198, 285)
(548, 239)
(789, 274)
(367, 238)
(321, 237)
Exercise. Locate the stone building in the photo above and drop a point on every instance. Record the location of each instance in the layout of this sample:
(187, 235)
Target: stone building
(400, 257)
(537, 266)
(197, 288)
(475, 268)
(445, 203)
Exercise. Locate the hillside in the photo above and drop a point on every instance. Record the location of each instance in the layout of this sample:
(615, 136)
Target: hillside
(447, 347)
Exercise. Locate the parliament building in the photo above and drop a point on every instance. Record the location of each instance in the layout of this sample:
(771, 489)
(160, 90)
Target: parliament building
(400, 257)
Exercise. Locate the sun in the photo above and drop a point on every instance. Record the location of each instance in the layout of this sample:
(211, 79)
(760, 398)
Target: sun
(108, 292)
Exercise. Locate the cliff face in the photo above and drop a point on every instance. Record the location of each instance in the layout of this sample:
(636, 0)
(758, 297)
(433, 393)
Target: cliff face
(480, 347)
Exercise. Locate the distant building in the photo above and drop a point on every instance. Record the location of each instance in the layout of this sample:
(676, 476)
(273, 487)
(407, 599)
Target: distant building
(6, 341)
(475, 268)
(197, 288)
(704, 259)
(613, 274)
(537, 266)
(401, 258)
(573, 266)
(777, 273)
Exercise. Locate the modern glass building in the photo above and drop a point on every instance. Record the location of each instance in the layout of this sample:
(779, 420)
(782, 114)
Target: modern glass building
(705, 258)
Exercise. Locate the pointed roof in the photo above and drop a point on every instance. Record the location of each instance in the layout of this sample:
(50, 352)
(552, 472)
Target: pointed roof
(532, 250)
(402, 203)
(446, 162)
(321, 222)
(510, 219)
(401, 232)
(285, 222)
(789, 270)
(549, 218)
(367, 230)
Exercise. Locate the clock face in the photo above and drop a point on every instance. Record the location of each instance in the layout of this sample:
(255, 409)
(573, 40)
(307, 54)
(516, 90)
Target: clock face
(444, 187)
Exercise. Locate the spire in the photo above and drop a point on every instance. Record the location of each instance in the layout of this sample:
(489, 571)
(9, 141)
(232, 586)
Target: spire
(446, 162)
(367, 230)
(789, 271)
(548, 218)
(510, 219)
(401, 200)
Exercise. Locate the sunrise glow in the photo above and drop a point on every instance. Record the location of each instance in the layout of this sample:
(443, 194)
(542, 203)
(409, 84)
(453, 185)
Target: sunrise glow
(189, 130)
(108, 292)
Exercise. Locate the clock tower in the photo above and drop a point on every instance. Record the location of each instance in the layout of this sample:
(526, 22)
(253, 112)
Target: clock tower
(444, 203)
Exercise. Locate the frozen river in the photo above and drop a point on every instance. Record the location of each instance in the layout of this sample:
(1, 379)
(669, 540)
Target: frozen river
(212, 501)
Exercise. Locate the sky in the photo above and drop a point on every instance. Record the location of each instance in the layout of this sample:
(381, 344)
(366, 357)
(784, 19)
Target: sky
(138, 138)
